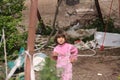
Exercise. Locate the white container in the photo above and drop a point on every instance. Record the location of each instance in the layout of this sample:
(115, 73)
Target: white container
(111, 39)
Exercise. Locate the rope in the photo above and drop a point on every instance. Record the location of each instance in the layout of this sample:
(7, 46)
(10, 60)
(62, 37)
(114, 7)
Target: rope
(94, 53)
(32, 73)
(102, 46)
(18, 64)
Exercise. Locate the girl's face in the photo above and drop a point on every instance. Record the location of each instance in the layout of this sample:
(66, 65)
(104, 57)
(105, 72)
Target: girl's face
(61, 40)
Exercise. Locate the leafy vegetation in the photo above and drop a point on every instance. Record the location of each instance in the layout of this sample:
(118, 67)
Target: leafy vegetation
(49, 70)
(10, 17)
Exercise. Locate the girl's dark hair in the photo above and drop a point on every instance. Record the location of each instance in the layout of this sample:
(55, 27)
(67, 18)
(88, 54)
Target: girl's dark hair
(59, 34)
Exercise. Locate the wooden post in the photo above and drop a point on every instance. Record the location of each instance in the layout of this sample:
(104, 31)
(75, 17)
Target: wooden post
(43, 27)
(119, 7)
(99, 11)
(31, 37)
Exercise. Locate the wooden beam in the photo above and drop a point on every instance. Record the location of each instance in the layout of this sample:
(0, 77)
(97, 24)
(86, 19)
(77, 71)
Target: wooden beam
(31, 37)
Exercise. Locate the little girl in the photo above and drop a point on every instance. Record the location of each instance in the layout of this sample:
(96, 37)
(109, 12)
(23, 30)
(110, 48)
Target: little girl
(66, 54)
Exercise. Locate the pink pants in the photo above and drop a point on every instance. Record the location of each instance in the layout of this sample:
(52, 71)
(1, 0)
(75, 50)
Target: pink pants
(67, 71)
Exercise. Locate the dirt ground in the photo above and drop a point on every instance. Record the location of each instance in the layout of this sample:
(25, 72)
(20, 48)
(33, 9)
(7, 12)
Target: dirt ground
(103, 66)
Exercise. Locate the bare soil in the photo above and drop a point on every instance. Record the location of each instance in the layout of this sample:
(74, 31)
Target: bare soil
(103, 66)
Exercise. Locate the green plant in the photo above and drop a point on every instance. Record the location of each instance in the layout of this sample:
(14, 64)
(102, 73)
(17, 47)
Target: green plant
(49, 70)
(10, 16)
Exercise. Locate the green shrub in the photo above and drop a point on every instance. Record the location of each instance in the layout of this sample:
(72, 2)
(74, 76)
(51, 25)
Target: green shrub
(10, 17)
(49, 70)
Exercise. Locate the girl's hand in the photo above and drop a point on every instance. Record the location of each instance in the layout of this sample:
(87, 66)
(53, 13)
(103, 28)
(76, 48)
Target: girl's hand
(55, 54)
(72, 60)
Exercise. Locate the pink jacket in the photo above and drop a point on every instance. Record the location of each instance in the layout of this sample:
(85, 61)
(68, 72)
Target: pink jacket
(65, 52)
